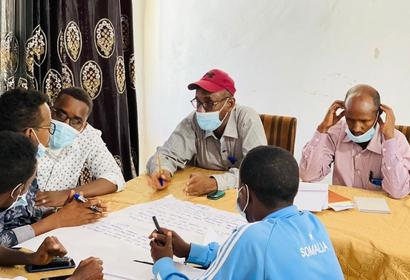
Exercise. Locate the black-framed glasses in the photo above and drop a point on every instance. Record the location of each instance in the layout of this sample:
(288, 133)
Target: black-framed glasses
(208, 106)
(61, 116)
(51, 128)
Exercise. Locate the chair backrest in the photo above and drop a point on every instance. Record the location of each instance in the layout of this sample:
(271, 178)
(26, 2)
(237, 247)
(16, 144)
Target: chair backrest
(405, 130)
(280, 131)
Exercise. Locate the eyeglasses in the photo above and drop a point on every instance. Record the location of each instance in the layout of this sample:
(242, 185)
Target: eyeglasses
(51, 128)
(61, 116)
(208, 106)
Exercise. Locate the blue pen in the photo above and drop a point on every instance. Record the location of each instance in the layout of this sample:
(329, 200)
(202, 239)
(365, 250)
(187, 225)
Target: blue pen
(82, 199)
(232, 159)
(375, 181)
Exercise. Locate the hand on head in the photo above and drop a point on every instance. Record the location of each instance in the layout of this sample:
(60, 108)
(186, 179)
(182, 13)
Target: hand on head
(387, 127)
(332, 117)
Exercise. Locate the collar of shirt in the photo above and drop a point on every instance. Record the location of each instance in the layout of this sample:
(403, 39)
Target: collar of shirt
(230, 129)
(375, 144)
(283, 213)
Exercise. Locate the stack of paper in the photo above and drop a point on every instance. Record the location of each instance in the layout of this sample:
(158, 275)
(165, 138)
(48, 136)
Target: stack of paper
(371, 205)
(122, 237)
(312, 197)
(338, 202)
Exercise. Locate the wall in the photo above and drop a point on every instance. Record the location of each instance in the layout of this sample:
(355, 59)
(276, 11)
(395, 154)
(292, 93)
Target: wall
(287, 57)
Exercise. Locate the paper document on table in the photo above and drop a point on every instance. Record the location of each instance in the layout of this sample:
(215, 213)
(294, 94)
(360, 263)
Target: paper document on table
(123, 236)
(312, 197)
(338, 202)
(371, 205)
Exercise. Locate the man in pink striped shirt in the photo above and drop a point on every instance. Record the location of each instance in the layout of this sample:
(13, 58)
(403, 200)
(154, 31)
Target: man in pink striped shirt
(366, 151)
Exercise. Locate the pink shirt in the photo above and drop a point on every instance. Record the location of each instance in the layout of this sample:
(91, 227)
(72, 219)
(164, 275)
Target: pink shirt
(388, 160)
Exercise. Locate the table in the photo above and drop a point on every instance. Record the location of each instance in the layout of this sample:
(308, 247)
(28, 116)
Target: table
(369, 246)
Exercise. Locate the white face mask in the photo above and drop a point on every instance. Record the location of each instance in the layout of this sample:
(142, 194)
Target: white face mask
(21, 199)
(238, 207)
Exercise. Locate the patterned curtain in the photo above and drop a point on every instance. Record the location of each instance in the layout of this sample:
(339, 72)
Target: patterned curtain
(14, 31)
(87, 44)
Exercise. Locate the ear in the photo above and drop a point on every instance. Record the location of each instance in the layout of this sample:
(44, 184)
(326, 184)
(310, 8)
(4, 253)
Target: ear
(27, 132)
(232, 102)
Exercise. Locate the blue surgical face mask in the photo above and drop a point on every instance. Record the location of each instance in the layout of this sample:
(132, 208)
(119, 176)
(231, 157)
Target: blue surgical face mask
(238, 207)
(41, 150)
(209, 121)
(365, 137)
(64, 135)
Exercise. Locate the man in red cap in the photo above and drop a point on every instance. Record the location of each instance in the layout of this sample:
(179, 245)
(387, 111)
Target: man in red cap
(216, 136)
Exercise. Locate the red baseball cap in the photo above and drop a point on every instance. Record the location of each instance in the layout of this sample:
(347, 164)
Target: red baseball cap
(213, 81)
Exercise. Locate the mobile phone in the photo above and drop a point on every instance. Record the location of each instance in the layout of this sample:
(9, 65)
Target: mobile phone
(55, 264)
(215, 195)
(64, 277)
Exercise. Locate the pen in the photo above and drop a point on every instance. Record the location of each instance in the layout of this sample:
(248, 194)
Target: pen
(150, 263)
(144, 262)
(82, 199)
(156, 224)
(161, 181)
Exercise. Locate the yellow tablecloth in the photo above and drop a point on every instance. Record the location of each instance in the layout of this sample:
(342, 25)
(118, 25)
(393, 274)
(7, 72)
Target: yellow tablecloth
(369, 246)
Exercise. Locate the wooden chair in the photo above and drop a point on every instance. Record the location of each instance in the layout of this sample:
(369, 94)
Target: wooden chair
(280, 131)
(405, 130)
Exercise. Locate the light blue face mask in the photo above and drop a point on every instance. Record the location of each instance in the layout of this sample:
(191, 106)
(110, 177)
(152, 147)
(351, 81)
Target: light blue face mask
(238, 208)
(365, 137)
(64, 135)
(209, 121)
(41, 150)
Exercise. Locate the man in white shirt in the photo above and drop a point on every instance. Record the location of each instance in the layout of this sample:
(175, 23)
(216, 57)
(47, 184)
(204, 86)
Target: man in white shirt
(74, 147)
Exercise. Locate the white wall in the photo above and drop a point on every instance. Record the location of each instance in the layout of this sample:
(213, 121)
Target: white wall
(287, 57)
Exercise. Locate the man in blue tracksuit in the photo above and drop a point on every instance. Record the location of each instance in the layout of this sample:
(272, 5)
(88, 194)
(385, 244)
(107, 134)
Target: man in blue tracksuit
(279, 242)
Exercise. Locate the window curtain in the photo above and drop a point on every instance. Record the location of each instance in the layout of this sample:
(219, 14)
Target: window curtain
(86, 44)
(15, 28)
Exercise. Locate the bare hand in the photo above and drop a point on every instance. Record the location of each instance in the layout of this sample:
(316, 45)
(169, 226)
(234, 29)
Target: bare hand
(180, 248)
(331, 117)
(77, 213)
(158, 250)
(88, 269)
(52, 198)
(387, 127)
(156, 177)
(50, 248)
(200, 184)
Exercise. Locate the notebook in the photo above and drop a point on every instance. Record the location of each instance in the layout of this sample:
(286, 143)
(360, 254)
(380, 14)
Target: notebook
(338, 202)
(335, 197)
(371, 205)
